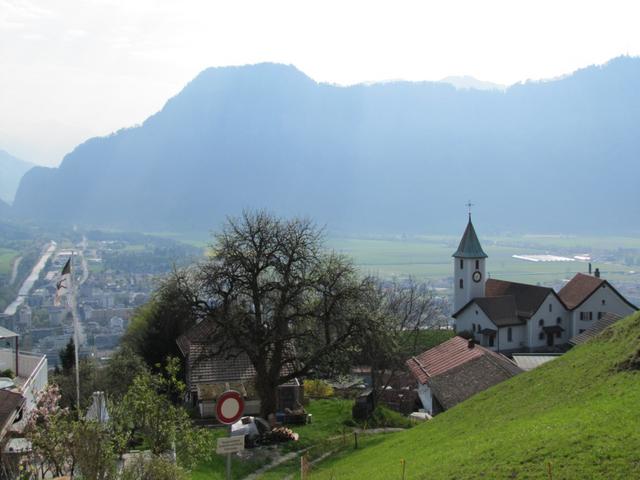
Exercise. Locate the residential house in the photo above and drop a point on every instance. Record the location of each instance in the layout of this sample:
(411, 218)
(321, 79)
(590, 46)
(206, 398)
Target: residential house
(456, 370)
(209, 373)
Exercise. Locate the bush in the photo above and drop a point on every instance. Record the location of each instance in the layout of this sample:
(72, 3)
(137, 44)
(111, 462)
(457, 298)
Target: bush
(153, 468)
(7, 373)
(318, 389)
(382, 417)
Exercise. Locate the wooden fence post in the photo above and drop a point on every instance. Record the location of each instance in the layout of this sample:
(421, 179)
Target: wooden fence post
(549, 471)
(355, 438)
(403, 462)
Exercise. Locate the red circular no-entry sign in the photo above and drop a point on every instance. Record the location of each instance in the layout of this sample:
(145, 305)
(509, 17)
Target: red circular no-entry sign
(229, 407)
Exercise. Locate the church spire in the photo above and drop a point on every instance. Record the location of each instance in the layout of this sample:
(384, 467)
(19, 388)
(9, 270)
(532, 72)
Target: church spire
(469, 244)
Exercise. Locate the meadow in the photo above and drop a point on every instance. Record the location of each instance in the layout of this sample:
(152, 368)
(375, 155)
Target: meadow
(429, 257)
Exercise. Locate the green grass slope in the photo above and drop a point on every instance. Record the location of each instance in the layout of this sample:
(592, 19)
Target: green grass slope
(581, 413)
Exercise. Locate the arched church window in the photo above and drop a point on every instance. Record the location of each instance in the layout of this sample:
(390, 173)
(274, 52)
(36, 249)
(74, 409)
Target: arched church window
(461, 264)
(477, 264)
(461, 284)
(541, 322)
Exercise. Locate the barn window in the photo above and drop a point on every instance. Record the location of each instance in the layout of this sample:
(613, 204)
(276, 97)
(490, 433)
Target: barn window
(509, 334)
(473, 327)
(461, 264)
(604, 302)
(477, 264)
(541, 336)
(600, 314)
(550, 308)
(559, 321)
(541, 322)
(461, 284)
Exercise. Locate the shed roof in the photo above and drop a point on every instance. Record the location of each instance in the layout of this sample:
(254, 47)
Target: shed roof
(469, 246)
(529, 361)
(6, 333)
(599, 325)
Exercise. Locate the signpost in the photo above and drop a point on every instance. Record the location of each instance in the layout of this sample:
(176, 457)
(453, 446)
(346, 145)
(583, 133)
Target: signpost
(229, 409)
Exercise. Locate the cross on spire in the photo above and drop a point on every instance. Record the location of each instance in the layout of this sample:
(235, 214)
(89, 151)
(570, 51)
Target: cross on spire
(469, 205)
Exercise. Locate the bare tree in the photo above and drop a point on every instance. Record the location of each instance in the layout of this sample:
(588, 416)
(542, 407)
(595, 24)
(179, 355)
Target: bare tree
(399, 313)
(274, 294)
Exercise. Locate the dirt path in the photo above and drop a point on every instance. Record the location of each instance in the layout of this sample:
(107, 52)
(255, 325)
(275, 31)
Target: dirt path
(280, 459)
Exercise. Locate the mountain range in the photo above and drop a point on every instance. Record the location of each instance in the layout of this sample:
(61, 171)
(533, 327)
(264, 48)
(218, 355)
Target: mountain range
(11, 171)
(550, 156)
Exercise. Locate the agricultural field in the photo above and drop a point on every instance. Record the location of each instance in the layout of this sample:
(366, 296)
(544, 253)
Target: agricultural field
(429, 257)
(7, 256)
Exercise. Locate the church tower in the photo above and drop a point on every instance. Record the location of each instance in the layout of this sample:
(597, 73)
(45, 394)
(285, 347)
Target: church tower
(469, 271)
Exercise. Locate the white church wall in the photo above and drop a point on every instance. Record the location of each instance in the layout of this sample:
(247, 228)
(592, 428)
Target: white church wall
(603, 300)
(464, 269)
(474, 320)
(551, 312)
(518, 337)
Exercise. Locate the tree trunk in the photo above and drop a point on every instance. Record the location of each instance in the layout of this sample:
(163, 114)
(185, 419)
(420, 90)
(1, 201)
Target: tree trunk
(267, 391)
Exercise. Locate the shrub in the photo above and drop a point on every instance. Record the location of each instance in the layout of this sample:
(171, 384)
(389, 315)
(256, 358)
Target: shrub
(382, 417)
(7, 373)
(318, 389)
(153, 468)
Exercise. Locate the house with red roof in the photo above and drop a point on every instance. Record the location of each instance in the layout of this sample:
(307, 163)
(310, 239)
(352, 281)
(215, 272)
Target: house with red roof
(508, 316)
(456, 370)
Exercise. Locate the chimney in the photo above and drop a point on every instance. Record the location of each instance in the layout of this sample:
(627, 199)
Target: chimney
(471, 343)
(589, 268)
(597, 273)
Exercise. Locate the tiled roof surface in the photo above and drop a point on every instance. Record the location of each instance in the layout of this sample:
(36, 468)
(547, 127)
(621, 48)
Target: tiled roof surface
(474, 376)
(441, 358)
(578, 289)
(207, 366)
(469, 246)
(528, 298)
(500, 310)
(607, 320)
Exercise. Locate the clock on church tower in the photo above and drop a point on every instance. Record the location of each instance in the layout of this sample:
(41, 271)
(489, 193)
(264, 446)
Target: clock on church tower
(468, 268)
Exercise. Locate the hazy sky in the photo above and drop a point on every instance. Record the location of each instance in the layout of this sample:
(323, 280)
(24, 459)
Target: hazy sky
(70, 70)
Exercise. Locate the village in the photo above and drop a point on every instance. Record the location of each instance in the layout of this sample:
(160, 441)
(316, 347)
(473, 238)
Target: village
(498, 329)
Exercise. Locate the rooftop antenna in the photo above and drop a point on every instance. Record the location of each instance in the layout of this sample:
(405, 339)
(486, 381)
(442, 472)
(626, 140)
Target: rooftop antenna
(469, 205)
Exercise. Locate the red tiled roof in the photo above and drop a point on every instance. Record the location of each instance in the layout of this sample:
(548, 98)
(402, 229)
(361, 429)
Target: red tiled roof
(451, 354)
(579, 289)
(444, 357)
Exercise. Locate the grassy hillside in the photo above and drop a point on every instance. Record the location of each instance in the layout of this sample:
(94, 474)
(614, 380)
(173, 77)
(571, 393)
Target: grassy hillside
(581, 413)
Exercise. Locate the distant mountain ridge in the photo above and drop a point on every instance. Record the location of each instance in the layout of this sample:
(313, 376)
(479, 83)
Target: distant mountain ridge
(548, 156)
(11, 171)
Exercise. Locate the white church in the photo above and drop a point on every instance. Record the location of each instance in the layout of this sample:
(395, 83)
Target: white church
(508, 316)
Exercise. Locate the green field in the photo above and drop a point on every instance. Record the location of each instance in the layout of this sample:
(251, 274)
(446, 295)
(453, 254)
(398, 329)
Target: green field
(6, 260)
(429, 257)
(328, 420)
(577, 415)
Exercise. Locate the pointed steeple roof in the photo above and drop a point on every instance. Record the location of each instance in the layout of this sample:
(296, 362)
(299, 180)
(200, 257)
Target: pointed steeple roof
(469, 244)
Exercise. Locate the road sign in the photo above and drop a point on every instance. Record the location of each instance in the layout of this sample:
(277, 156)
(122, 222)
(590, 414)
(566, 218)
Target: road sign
(229, 407)
(230, 444)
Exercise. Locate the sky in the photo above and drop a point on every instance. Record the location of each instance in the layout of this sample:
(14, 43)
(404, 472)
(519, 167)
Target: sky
(74, 69)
